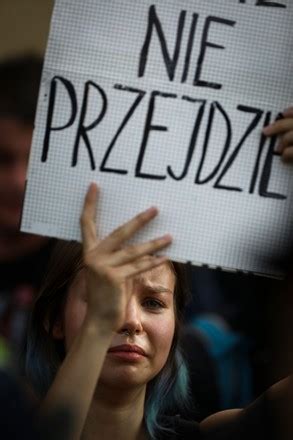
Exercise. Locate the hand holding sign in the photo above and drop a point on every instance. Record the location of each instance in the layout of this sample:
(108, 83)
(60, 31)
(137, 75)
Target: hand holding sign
(283, 128)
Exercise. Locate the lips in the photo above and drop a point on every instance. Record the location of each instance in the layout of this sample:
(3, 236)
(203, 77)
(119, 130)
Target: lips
(127, 348)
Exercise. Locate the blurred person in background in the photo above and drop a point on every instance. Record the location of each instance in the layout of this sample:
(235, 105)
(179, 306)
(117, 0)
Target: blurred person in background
(23, 257)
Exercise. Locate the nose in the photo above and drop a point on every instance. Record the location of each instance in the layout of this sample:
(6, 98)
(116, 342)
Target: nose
(133, 318)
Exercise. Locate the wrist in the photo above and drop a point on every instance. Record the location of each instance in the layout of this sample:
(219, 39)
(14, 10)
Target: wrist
(97, 328)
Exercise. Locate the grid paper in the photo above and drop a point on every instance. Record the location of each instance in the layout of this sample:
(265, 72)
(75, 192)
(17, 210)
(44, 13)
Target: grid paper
(101, 41)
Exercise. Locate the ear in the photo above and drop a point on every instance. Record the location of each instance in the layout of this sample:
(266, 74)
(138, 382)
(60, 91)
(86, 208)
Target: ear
(57, 330)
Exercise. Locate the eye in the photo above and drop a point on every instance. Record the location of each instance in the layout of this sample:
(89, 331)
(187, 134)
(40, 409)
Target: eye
(6, 159)
(154, 304)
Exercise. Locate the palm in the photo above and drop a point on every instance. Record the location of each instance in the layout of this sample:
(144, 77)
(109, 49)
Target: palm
(108, 265)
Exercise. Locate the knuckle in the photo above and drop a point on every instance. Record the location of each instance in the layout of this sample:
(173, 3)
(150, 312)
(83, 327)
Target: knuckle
(158, 241)
(111, 277)
(143, 263)
(138, 264)
(154, 244)
(106, 272)
(139, 220)
(88, 261)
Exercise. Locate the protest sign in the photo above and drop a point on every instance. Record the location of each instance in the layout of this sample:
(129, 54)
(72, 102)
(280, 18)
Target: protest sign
(163, 103)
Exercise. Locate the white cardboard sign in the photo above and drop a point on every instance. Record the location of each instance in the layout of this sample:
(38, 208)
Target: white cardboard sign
(162, 103)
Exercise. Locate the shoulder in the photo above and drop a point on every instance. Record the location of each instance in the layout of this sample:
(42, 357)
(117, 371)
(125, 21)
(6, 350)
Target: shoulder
(256, 421)
(220, 419)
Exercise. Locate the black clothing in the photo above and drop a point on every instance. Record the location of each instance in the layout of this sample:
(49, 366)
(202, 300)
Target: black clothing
(16, 420)
(17, 415)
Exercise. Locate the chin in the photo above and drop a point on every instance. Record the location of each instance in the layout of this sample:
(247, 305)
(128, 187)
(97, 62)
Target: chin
(125, 376)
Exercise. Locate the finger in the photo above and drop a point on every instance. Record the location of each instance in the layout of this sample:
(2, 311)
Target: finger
(126, 231)
(286, 141)
(288, 113)
(287, 155)
(132, 253)
(88, 217)
(278, 127)
(142, 265)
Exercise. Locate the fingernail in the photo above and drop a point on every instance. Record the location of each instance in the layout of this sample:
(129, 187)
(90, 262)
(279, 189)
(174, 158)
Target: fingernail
(288, 110)
(285, 158)
(152, 210)
(279, 148)
(93, 186)
(167, 237)
(266, 130)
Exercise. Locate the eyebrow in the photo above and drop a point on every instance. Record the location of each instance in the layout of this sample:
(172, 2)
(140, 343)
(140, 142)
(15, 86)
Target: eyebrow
(157, 289)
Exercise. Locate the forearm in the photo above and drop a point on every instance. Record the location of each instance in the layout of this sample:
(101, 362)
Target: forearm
(77, 377)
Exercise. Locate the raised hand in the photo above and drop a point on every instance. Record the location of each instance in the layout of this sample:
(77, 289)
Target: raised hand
(109, 265)
(284, 129)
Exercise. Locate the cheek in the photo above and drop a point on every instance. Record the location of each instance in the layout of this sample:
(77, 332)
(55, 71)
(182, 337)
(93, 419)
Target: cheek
(162, 337)
(73, 319)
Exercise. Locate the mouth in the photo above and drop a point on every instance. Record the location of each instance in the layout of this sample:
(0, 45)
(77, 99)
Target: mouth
(127, 352)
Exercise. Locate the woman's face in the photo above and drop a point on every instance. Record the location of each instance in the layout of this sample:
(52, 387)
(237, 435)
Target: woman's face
(147, 331)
